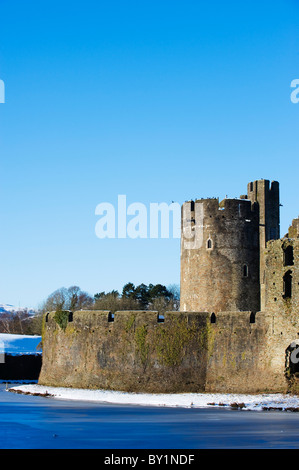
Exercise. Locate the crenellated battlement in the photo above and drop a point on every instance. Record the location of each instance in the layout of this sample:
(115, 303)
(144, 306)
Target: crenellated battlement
(266, 187)
(101, 318)
(227, 208)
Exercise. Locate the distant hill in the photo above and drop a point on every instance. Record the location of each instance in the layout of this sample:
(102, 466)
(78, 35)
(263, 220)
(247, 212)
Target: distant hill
(7, 308)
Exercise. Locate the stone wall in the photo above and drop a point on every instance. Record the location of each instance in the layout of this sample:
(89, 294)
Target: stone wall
(265, 199)
(294, 229)
(187, 352)
(243, 359)
(135, 352)
(282, 279)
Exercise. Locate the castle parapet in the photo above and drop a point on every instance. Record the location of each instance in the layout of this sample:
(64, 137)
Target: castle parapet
(186, 352)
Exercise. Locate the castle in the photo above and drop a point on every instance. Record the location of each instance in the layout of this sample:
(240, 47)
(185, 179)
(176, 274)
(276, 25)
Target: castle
(238, 327)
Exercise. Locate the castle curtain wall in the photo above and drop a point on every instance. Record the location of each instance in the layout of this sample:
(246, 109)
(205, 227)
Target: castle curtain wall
(188, 352)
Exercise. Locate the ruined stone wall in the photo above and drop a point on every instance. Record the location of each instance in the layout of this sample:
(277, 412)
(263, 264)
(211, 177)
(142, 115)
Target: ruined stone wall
(188, 352)
(265, 200)
(282, 278)
(294, 229)
(222, 272)
(135, 352)
(281, 297)
(266, 196)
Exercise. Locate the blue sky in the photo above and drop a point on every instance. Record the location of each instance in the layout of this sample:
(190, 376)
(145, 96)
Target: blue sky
(158, 100)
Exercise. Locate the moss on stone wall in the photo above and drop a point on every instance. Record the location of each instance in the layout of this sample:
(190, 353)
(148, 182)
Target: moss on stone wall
(171, 342)
(130, 322)
(142, 344)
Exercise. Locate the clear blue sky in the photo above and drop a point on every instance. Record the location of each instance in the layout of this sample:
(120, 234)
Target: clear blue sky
(158, 100)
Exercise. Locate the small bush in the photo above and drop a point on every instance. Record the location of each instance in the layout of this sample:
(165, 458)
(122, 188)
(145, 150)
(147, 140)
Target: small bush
(62, 317)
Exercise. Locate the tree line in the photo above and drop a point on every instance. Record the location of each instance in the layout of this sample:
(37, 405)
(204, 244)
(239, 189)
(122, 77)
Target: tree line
(21, 323)
(142, 297)
(155, 297)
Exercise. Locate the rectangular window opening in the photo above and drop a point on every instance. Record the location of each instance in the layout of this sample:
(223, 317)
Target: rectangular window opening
(110, 317)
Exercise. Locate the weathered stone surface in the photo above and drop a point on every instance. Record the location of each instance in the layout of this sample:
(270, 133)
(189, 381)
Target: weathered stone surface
(188, 352)
(135, 352)
(223, 273)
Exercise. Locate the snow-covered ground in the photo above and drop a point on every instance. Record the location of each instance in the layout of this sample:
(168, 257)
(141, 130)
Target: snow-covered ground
(189, 400)
(19, 344)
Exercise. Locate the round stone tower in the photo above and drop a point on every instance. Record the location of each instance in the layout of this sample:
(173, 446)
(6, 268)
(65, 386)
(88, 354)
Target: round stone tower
(220, 256)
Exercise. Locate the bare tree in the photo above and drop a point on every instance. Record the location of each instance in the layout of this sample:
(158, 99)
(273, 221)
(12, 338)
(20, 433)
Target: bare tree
(72, 298)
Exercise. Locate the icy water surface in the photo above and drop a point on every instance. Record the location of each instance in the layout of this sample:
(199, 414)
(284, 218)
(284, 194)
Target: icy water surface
(34, 422)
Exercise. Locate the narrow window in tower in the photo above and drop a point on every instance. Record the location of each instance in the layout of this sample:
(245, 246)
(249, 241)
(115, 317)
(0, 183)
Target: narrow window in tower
(289, 256)
(287, 283)
(209, 244)
(245, 270)
(252, 317)
(213, 318)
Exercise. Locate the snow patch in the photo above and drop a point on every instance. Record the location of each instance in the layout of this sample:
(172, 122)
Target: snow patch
(183, 400)
(16, 345)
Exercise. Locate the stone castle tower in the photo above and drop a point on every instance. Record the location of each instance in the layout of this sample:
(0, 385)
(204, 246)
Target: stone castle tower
(238, 328)
(223, 249)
